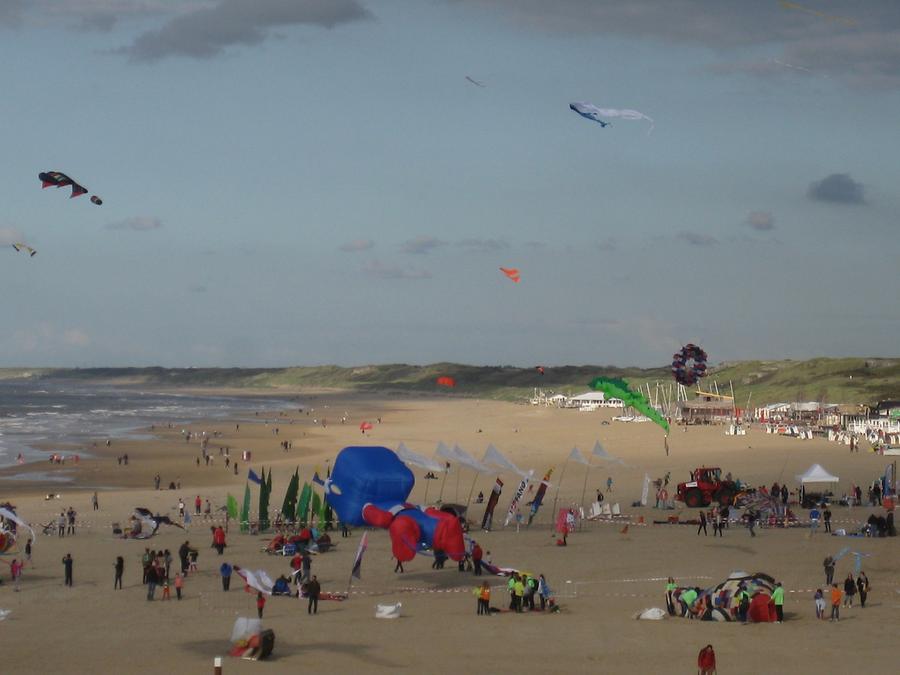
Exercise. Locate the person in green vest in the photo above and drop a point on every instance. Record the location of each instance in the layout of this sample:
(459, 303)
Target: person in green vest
(670, 596)
(519, 588)
(511, 587)
(778, 599)
(688, 598)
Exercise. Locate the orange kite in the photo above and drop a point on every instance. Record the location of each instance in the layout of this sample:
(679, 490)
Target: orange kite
(512, 273)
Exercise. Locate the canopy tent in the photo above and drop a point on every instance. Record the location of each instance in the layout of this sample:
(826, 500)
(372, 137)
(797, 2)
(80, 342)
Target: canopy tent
(817, 474)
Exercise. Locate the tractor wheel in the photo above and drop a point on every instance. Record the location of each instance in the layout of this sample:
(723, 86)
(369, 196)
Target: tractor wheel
(693, 498)
(724, 497)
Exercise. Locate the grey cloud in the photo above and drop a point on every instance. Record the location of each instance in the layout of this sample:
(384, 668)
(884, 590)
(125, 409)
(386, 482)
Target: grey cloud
(379, 270)
(696, 238)
(86, 14)
(762, 221)
(608, 244)
(207, 31)
(138, 224)
(357, 245)
(421, 245)
(10, 235)
(483, 245)
(860, 43)
(838, 188)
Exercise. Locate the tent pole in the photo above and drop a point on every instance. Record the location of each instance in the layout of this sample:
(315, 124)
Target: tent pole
(587, 472)
(562, 475)
(443, 481)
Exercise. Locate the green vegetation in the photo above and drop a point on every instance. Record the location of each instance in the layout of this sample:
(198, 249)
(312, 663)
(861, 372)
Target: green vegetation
(848, 380)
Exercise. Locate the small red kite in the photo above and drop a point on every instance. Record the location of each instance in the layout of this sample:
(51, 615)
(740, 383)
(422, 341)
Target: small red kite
(365, 426)
(445, 381)
(512, 273)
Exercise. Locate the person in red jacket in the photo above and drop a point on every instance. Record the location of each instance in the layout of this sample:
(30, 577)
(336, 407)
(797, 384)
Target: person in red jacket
(706, 661)
(477, 555)
(219, 539)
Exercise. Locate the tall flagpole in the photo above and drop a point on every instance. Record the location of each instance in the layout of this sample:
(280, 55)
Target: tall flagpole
(587, 472)
(471, 490)
(443, 481)
(562, 474)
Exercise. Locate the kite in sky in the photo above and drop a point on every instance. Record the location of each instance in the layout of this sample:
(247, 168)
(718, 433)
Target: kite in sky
(475, 82)
(25, 247)
(446, 381)
(512, 273)
(615, 387)
(592, 112)
(57, 179)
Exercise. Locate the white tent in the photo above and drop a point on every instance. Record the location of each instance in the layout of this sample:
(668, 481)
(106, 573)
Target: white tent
(817, 474)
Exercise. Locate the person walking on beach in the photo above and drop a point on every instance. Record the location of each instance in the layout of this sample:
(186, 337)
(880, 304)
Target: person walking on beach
(670, 596)
(702, 524)
(95, 502)
(849, 590)
(28, 550)
(313, 589)
(609, 484)
(197, 504)
(778, 599)
(828, 564)
(225, 571)
(706, 661)
(67, 564)
(826, 516)
(543, 591)
(179, 584)
(751, 521)
(61, 523)
(819, 598)
(477, 555)
(15, 571)
(181, 508)
(862, 585)
(260, 603)
(120, 569)
(152, 580)
(835, 603)
(519, 591)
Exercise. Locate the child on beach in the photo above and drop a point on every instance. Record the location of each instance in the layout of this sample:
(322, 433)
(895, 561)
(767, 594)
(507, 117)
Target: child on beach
(179, 584)
(260, 603)
(820, 604)
(166, 595)
(835, 602)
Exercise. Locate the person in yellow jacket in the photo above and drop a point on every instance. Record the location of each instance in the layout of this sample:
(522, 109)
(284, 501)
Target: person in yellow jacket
(483, 594)
(519, 590)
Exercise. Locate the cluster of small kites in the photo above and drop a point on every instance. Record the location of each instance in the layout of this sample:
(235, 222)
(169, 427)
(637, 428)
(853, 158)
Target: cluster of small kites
(57, 179)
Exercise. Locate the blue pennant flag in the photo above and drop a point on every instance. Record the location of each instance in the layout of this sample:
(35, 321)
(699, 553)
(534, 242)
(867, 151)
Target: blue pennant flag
(251, 476)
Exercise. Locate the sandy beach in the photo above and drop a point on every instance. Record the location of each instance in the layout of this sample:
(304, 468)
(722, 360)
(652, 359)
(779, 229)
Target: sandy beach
(602, 578)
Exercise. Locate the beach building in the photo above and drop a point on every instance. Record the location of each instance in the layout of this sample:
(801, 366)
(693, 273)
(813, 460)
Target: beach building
(593, 400)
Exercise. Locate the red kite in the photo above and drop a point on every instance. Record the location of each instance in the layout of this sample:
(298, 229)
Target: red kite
(445, 381)
(512, 273)
(365, 426)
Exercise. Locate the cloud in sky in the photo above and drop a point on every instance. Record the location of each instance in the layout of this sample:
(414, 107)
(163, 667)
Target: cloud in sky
(137, 224)
(421, 245)
(208, 30)
(863, 50)
(357, 245)
(75, 337)
(761, 221)
(838, 188)
(696, 238)
(608, 244)
(477, 245)
(378, 270)
(198, 288)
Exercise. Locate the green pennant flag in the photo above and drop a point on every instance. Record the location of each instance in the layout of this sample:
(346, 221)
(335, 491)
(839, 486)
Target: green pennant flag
(264, 491)
(289, 505)
(316, 507)
(231, 507)
(245, 509)
(303, 505)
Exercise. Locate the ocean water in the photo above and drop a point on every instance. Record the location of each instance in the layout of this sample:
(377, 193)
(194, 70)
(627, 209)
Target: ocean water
(47, 412)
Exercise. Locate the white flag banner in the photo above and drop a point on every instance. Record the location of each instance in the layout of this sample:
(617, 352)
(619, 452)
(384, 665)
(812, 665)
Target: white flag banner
(494, 457)
(467, 460)
(576, 456)
(645, 492)
(443, 451)
(514, 506)
(418, 460)
(600, 451)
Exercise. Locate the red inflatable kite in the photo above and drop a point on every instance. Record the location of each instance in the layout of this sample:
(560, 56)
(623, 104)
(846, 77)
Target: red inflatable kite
(365, 426)
(512, 273)
(445, 381)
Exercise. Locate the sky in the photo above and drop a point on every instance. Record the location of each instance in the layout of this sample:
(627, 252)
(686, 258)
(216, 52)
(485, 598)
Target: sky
(302, 182)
